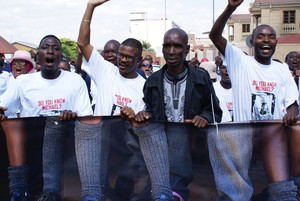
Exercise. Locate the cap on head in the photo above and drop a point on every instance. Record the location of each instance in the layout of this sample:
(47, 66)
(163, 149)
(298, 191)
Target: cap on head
(23, 55)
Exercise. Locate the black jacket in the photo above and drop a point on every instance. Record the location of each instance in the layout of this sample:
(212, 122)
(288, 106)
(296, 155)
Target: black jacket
(198, 95)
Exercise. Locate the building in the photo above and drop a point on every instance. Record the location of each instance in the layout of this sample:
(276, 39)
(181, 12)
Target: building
(239, 28)
(150, 30)
(6, 48)
(153, 30)
(29, 47)
(282, 15)
(200, 45)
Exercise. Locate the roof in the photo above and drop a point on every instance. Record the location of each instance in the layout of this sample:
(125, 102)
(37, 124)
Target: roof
(198, 47)
(26, 44)
(239, 18)
(289, 39)
(6, 47)
(269, 2)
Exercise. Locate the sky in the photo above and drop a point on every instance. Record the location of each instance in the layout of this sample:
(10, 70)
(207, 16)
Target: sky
(30, 20)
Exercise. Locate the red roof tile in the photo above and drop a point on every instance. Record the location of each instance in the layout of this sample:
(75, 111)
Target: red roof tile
(6, 47)
(289, 39)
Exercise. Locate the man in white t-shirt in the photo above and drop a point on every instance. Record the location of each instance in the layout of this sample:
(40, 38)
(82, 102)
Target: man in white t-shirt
(49, 93)
(260, 87)
(117, 87)
(224, 93)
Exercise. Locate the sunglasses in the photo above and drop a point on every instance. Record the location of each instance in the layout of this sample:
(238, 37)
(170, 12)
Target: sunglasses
(146, 65)
(19, 63)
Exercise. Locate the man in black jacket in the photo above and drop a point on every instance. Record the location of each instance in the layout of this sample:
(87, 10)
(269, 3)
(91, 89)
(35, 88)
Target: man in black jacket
(176, 93)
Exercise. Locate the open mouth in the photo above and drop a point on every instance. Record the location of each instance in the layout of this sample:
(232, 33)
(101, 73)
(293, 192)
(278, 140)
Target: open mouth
(122, 67)
(111, 59)
(266, 49)
(49, 61)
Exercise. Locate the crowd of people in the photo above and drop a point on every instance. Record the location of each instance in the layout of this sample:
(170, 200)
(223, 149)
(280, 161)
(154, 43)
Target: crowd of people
(120, 82)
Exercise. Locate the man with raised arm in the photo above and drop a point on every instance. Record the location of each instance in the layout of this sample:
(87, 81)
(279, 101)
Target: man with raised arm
(261, 87)
(117, 87)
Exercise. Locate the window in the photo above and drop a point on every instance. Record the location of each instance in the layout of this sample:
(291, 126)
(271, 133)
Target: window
(289, 17)
(246, 28)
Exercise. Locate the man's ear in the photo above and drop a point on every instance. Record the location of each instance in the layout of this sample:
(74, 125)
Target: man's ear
(139, 61)
(251, 42)
(187, 49)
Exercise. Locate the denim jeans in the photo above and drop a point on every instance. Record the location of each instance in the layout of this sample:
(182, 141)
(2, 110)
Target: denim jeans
(230, 152)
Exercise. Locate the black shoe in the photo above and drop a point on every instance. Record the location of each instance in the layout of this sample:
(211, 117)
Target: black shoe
(46, 196)
(19, 196)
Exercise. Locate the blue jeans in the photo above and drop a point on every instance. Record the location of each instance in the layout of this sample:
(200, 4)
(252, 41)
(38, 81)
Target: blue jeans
(230, 152)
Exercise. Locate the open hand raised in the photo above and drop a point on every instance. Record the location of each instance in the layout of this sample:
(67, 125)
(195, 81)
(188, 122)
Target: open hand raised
(235, 3)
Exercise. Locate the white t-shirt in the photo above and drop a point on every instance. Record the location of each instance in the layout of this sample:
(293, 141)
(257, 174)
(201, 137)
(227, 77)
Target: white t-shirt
(226, 101)
(260, 92)
(93, 92)
(113, 90)
(44, 97)
(11, 112)
(4, 76)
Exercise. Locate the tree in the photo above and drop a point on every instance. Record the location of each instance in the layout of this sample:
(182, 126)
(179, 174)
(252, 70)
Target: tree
(146, 46)
(69, 48)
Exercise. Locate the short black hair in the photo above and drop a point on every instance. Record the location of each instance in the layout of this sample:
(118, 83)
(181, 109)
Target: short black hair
(49, 36)
(253, 35)
(287, 56)
(181, 32)
(132, 42)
